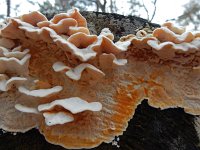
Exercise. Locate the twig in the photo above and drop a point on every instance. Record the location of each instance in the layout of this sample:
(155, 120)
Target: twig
(145, 8)
(154, 12)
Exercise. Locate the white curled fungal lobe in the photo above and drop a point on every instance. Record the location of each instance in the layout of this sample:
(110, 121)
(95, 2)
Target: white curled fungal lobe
(57, 118)
(74, 105)
(40, 92)
(75, 74)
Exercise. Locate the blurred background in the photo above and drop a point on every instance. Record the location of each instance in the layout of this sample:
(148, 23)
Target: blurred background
(181, 12)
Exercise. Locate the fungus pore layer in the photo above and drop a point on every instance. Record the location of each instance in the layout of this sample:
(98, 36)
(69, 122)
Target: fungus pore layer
(79, 89)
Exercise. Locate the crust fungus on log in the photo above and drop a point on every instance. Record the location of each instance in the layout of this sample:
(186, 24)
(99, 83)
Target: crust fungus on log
(88, 86)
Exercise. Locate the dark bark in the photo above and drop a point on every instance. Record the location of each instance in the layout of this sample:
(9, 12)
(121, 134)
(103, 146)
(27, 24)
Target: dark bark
(119, 25)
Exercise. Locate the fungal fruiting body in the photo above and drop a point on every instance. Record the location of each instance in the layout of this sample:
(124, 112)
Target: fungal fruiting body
(79, 89)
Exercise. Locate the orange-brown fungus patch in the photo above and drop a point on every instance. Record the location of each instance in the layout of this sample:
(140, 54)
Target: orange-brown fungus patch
(162, 67)
(33, 18)
(104, 125)
(44, 24)
(63, 25)
(73, 14)
(82, 40)
(42, 59)
(74, 30)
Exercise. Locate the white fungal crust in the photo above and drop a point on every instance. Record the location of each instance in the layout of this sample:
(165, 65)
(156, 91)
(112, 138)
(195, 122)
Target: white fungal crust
(14, 61)
(170, 42)
(40, 92)
(71, 63)
(13, 64)
(62, 27)
(60, 66)
(106, 32)
(73, 30)
(4, 52)
(173, 28)
(33, 18)
(90, 71)
(72, 85)
(84, 72)
(77, 45)
(20, 66)
(171, 36)
(74, 105)
(6, 83)
(105, 45)
(26, 109)
(141, 34)
(57, 118)
(80, 44)
(74, 14)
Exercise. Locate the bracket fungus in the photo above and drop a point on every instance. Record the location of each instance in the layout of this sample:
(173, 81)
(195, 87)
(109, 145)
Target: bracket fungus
(6, 83)
(40, 92)
(57, 118)
(47, 66)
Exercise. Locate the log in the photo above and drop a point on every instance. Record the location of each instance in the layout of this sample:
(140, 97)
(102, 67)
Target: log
(150, 128)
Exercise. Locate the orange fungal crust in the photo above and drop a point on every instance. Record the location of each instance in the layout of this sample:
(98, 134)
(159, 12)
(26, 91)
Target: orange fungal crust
(79, 89)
